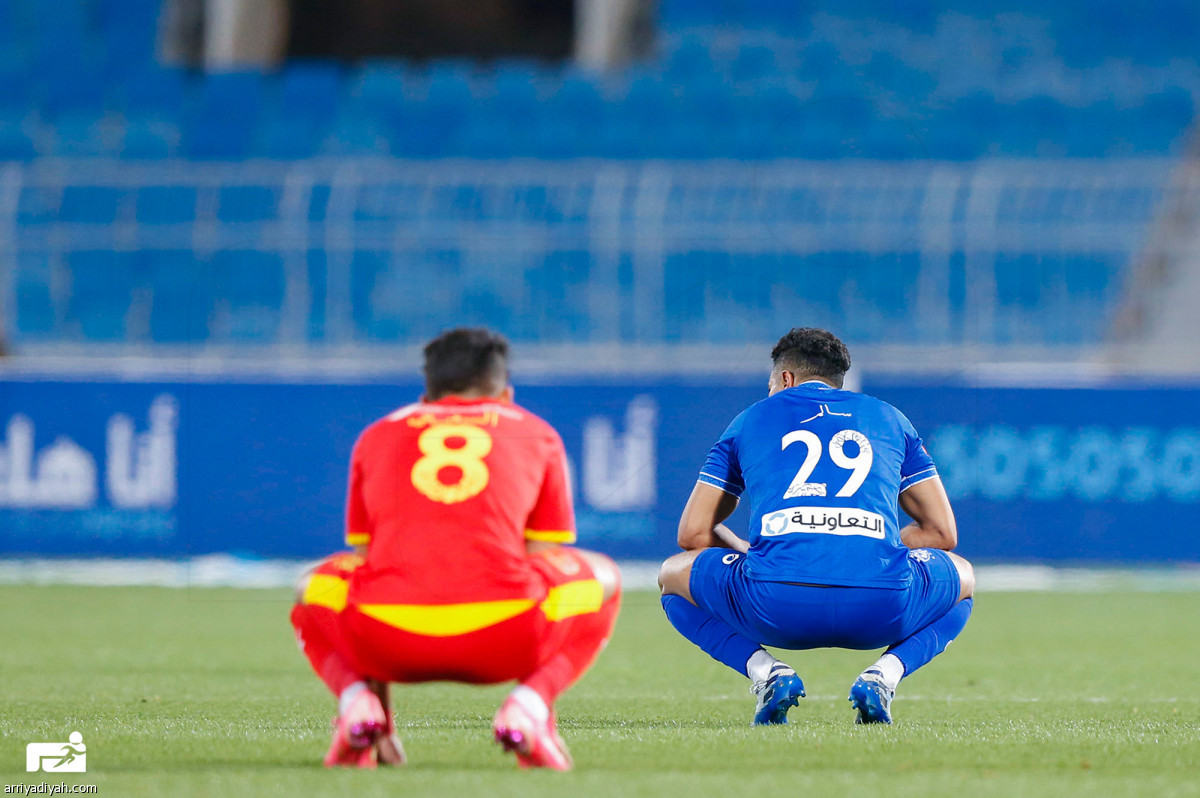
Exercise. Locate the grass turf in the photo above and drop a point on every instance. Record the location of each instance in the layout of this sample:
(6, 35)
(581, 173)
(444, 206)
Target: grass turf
(202, 692)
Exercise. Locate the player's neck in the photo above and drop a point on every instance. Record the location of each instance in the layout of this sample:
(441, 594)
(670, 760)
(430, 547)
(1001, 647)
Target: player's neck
(809, 379)
(466, 397)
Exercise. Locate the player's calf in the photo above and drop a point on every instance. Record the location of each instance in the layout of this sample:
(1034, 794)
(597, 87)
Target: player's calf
(872, 692)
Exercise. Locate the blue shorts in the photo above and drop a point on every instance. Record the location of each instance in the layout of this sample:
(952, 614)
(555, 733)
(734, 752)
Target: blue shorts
(806, 616)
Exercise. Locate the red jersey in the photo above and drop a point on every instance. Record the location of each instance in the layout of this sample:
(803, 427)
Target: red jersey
(444, 495)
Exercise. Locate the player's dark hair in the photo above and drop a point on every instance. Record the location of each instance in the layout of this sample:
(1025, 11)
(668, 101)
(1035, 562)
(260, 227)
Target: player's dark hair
(812, 351)
(464, 360)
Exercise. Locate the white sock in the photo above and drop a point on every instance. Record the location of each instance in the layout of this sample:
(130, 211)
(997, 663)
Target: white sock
(760, 664)
(892, 669)
(348, 695)
(532, 703)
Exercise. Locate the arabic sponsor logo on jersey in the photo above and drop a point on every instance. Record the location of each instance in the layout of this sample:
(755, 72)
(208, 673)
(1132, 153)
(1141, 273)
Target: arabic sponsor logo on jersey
(823, 521)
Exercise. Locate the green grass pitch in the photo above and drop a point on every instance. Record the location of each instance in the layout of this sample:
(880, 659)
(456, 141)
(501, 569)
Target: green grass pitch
(202, 693)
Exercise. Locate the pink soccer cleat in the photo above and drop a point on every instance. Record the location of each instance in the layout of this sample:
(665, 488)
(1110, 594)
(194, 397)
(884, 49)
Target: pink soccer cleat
(355, 733)
(388, 748)
(536, 743)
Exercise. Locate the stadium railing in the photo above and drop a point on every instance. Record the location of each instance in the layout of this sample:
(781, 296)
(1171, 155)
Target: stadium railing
(321, 256)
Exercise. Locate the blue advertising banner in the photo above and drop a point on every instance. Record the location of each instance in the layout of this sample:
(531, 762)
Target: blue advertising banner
(174, 469)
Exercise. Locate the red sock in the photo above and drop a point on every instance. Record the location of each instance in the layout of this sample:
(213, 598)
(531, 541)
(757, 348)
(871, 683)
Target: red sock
(585, 637)
(316, 629)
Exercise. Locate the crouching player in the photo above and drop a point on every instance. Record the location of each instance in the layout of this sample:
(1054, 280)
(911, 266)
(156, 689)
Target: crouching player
(827, 563)
(458, 508)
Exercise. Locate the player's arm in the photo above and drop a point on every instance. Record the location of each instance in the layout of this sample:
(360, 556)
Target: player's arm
(715, 497)
(358, 520)
(551, 523)
(933, 525)
(700, 525)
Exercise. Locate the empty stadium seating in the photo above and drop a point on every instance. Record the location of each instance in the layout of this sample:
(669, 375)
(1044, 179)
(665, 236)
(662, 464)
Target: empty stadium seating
(738, 80)
(78, 78)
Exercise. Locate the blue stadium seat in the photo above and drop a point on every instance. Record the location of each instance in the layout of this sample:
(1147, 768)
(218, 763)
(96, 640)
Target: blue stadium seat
(304, 106)
(222, 120)
(627, 137)
(683, 13)
(182, 295)
(821, 62)
(102, 285)
(365, 268)
(514, 91)
(247, 204)
(15, 144)
(1033, 127)
(35, 318)
(447, 90)
(70, 86)
(965, 130)
(285, 137)
(310, 89)
(129, 32)
(707, 101)
(577, 98)
(149, 139)
(78, 135)
(754, 62)
(166, 205)
(647, 99)
(15, 82)
(689, 60)
(154, 92)
(353, 134)
(381, 88)
(566, 136)
(91, 204)
(249, 287)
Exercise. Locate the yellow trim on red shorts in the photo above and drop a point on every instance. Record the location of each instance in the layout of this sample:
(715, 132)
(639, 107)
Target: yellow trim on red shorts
(580, 597)
(574, 598)
(446, 620)
(551, 535)
(357, 538)
(326, 590)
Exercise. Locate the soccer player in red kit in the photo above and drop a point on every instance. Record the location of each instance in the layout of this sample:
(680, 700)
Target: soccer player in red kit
(458, 510)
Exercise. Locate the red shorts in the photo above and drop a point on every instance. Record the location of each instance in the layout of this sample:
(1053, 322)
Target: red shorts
(479, 642)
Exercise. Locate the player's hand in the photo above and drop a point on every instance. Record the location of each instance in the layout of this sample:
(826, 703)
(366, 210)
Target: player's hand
(726, 538)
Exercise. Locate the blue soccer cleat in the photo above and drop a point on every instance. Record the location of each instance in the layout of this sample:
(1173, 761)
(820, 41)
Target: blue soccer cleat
(781, 691)
(872, 698)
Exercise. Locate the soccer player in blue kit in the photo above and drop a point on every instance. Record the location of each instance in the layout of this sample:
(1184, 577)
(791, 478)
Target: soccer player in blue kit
(827, 565)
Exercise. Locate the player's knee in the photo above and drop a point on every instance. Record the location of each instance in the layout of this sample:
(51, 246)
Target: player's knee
(301, 584)
(606, 572)
(666, 573)
(966, 577)
(671, 572)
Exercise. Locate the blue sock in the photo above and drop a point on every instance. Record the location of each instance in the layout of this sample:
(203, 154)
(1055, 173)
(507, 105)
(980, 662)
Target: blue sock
(714, 637)
(918, 649)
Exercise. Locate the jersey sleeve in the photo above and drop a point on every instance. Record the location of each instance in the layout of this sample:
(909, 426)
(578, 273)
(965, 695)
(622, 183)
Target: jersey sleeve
(358, 522)
(722, 469)
(552, 519)
(918, 465)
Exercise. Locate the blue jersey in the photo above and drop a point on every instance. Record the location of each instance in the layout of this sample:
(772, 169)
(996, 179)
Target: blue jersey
(823, 470)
